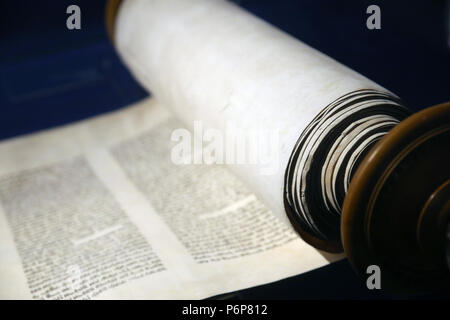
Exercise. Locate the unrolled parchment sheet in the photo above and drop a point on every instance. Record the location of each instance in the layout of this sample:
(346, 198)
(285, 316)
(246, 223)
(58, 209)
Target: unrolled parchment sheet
(210, 61)
(98, 210)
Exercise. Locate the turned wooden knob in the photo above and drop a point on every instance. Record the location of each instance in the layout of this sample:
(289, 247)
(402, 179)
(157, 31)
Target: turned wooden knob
(397, 209)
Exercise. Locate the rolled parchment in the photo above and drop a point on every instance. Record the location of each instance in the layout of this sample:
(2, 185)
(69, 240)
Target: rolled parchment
(211, 61)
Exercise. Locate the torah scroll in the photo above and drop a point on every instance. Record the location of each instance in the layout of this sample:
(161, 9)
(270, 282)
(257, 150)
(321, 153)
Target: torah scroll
(213, 63)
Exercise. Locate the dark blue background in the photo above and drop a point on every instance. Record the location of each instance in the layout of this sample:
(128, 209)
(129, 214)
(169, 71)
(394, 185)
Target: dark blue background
(50, 75)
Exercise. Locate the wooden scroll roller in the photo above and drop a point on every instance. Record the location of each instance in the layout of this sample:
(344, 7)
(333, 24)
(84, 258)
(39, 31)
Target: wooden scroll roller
(360, 174)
